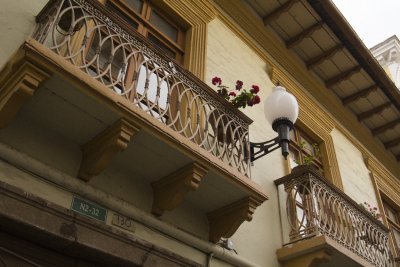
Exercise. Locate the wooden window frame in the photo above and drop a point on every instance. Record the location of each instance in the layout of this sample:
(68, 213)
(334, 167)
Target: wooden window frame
(302, 153)
(392, 224)
(145, 27)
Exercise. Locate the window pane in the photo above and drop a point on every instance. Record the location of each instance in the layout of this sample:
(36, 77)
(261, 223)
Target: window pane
(293, 158)
(307, 146)
(396, 237)
(161, 46)
(391, 214)
(135, 4)
(292, 136)
(164, 26)
(123, 15)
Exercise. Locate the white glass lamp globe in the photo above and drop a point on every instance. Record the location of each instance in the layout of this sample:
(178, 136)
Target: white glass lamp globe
(281, 105)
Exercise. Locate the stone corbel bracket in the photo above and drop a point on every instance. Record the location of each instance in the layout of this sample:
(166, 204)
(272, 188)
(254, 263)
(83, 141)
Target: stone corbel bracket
(17, 87)
(225, 221)
(170, 191)
(99, 152)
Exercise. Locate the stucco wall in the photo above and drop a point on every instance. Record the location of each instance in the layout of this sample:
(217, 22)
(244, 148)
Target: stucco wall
(355, 176)
(229, 58)
(17, 21)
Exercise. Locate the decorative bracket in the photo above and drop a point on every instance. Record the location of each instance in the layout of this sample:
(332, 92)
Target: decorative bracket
(171, 190)
(100, 151)
(18, 87)
(225, 221)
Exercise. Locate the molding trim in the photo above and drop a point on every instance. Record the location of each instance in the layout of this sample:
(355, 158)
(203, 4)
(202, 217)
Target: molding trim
(100, 151)
(18, 87)
(170, 191)
(226, 220)
(385, 181)
(197, 14)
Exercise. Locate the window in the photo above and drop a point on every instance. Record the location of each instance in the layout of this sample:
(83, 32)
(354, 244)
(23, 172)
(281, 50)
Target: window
(393, 218)
(152, 23)
(303, 150)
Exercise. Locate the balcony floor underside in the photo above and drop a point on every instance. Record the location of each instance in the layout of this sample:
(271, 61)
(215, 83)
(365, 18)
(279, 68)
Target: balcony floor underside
(60, 118)
(337, 255)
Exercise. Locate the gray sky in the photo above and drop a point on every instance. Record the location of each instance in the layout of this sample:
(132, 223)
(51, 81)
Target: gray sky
(373, 20)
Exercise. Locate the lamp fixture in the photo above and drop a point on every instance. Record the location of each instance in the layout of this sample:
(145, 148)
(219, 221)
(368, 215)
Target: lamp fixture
(281, 110)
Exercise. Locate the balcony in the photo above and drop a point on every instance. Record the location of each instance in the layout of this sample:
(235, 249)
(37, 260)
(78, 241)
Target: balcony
(323, 224)
(114, 101)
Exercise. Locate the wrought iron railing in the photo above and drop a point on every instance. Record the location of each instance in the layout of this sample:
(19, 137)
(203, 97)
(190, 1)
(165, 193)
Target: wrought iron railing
(315, 207)
(98, 42)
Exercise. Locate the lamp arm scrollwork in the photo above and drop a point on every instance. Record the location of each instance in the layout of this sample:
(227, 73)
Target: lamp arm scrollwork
(263, 148)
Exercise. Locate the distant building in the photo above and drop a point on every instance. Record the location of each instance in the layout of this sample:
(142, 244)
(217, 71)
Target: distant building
(388, 55)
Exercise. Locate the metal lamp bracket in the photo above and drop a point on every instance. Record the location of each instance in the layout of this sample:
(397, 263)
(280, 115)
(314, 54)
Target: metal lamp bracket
(263, 148)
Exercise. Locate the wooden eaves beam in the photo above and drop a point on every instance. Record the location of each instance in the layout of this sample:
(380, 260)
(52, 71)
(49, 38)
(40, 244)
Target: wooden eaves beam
(304, 34)
(392, 143)
(324, 56)
(385, 127)
(279, 11)
(367, 114)
(342, 76)
(363, 93)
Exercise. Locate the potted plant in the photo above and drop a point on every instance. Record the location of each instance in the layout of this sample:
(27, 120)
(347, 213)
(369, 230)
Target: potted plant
(374, 213)
(310, 156)
(245, 98)
(239, 98)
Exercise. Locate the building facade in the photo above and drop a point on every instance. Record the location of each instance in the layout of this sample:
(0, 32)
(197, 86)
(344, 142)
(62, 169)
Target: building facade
(117, 149)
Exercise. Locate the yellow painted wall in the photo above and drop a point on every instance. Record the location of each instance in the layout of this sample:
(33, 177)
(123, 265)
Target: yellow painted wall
(355, 176)
(17, 21)
(229, 58)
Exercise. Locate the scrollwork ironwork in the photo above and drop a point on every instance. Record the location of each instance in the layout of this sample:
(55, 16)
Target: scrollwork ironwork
(316, 207)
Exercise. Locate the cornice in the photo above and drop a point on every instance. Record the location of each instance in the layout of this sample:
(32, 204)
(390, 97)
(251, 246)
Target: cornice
(195, 12)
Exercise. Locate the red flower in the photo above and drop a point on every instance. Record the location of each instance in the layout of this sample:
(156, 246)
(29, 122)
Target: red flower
(256, 99)
(378, 216)
(216, 81)
(224, 91)
(375, 208)
(239, 85)
(255, 89)
(369, 205)
(232, 94)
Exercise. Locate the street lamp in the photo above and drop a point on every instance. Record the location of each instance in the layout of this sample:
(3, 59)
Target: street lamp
(281, 110)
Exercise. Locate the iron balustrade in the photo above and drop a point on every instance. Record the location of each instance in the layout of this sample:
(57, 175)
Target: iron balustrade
(316, 207)
(98, 42)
